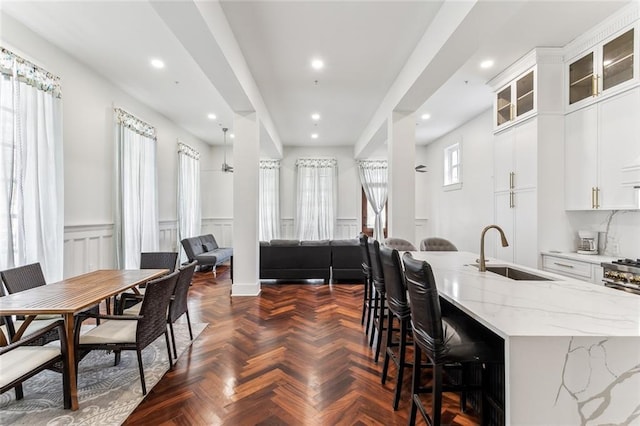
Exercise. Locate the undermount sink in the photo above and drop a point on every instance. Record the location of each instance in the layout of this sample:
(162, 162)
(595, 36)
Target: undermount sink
(515, 274)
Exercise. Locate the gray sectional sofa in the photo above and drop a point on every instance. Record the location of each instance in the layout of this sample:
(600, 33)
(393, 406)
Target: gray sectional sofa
(205, 250)
(294, 259)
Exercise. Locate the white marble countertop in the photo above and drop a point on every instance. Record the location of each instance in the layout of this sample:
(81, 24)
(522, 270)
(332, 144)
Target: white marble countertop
(510, 308)
(589, 258)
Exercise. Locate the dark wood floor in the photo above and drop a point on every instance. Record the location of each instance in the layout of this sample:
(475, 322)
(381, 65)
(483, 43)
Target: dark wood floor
(295, 355)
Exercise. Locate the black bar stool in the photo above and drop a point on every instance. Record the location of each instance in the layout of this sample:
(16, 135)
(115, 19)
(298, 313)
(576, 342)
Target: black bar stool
(396, 295)
(379, 297)
(452, 340)
(367, 305)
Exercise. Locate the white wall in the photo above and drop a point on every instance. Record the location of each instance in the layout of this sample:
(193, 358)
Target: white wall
(458, 215)
(89, 151)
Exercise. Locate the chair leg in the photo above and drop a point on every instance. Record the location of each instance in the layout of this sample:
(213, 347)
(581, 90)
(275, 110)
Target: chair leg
(401, 360)
(117, 358)
(166, 339)
(173, 340)
(436, 414)
(376, 300)
(380, 326)
(66, 386)
(19, 391)
(369, 306)
(365, 299)
(144, 386)
(189, 325)
(415, 383)
(387, 355)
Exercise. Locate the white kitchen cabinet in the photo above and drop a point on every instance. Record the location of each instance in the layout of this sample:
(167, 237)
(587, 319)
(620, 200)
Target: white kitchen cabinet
(528, 161)
(516, 214)
(582, 267)
(516, 100)
(515, 182)
(515, 157)
(602, 144)
(608, 67)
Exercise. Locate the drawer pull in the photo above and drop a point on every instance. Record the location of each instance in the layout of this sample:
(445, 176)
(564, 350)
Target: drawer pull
(563, 264)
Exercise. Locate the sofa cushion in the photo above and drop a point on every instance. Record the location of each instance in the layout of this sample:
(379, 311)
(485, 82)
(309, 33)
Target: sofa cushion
(285, 242)
(208, 247)
(209, 240)
(315, 243)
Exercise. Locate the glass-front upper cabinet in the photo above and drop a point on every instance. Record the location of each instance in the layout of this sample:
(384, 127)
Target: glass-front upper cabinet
(515, 100)
(607, 66)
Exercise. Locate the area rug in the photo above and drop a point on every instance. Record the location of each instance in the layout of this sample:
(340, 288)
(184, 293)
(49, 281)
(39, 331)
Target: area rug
(106, 394)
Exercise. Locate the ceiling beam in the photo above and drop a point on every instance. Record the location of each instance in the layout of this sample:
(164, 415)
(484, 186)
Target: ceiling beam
(204, 31)
(454, 35)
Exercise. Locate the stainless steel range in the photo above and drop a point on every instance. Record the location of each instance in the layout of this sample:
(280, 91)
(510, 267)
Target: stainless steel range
(623, 274)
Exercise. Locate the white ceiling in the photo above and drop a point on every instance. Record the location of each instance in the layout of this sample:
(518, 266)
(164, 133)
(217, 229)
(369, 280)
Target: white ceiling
(365, 45)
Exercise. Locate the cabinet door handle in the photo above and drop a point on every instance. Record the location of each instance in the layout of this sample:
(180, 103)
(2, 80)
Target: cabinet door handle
(597, 197)
(594, 85)
(593, 197)
(512, 176)
(512, 202)
(563, 264)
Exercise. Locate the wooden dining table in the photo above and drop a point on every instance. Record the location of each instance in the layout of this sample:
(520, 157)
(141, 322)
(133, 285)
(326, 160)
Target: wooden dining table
(71, 296)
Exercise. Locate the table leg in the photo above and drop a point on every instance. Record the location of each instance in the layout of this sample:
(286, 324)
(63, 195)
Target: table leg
(69, 324)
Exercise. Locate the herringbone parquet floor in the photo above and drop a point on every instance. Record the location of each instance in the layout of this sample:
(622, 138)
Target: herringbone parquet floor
(296, 355)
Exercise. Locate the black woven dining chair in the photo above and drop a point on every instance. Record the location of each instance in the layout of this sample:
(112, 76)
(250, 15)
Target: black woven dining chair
(133, 332)
(22, 360)
(178, 305)
(27, 277)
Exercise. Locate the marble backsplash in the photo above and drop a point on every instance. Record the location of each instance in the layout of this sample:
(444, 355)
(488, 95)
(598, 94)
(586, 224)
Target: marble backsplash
(621, 228)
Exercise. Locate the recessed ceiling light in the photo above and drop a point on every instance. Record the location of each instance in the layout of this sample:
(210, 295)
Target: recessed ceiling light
(157, 63)
(211, 116)
(317, 64)
(426, 116)
(488, 63)
(315, 116)
(314, 136)
(232, 136)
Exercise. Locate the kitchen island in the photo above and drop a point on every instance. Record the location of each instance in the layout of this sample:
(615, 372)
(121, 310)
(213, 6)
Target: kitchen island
(572, 349)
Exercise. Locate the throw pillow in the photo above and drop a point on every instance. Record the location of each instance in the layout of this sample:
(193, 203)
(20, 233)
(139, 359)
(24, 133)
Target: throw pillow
(207, 247)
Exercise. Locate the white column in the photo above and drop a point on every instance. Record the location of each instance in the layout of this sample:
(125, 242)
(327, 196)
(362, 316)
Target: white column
(401, 150)
(246, 158)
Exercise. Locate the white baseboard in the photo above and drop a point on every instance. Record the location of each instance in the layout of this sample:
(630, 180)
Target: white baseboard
(249, 289)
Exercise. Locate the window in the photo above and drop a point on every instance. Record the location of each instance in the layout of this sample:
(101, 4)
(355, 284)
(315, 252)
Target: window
(189, 211)
(136, 224)
(316, 198)
(452, 167)
(31, 176)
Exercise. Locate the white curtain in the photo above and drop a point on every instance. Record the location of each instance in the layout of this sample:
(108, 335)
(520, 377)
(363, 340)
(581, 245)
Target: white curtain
(136, 227)
(189, 212)
(31, 176)
(374, 178)
(316, 198)
(269, 205)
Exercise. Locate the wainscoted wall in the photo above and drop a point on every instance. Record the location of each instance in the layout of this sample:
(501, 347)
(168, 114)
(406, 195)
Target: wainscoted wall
(88, 248)
(221, 228)
(91, 247)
